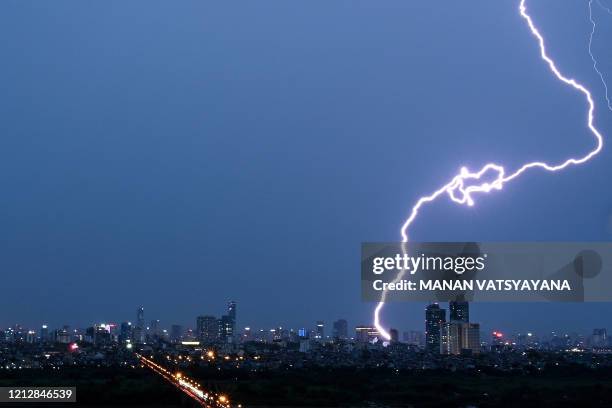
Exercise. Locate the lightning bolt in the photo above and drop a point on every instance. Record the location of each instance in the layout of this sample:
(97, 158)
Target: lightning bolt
(607, 9)
(595, 67)
(462, 188)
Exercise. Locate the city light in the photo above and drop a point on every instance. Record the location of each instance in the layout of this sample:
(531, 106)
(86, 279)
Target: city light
(187, 385)
(174, 363)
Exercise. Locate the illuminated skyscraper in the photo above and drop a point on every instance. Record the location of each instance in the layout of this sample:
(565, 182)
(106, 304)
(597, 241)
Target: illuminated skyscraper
(125, 332)
(138, 332)
(450, 338)
(470, 337)
(99, 334)
(226, 329)
(460, 338)
(44, 333)
(207, 329)
(63, 335)
(434, 318)
(231, 310)
(227, 324)
(140, 321)
(320, 330)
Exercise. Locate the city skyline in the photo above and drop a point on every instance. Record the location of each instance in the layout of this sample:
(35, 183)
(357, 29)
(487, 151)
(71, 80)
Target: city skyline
(172, 175)
(458, 312)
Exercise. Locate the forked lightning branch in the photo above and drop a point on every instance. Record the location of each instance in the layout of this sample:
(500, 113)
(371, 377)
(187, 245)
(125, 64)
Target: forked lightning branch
(462, 188)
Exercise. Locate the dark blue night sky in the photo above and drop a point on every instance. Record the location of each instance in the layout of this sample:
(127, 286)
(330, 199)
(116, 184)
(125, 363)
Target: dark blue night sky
(178, 155)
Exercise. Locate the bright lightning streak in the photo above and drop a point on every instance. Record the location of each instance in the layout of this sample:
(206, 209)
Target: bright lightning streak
(603, 81)
(464, 185)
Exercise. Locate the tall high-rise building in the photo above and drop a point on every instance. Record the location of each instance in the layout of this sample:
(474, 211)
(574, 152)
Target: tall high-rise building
(599, 338)
(9, 335)
(434, 318)
(394, 333)
(457, 338)
(140, 320)
(340, 329)
(63, 335)
(125, 332)
(231, 310)
(470, 337)
(320, 330)
(227, 324)
(450, 338)
(138, 331)
(44, 333)
(459, 311)
(225, 327)
(154, 328)
(207, 329)
(99, 334)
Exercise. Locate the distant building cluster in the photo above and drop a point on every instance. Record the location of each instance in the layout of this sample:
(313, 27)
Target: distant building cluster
(449, 341)
(211, 330)
(452, 335)
(455, 336)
